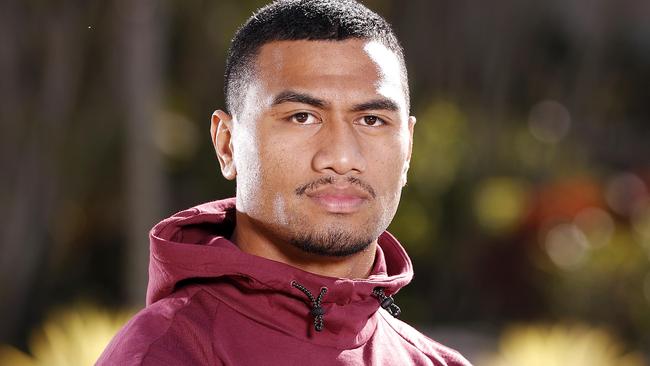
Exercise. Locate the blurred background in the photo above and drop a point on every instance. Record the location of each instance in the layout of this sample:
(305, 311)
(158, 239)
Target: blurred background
(527, 212)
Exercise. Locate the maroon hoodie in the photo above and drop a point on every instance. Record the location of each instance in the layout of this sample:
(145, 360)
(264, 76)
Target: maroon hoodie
(209, 303)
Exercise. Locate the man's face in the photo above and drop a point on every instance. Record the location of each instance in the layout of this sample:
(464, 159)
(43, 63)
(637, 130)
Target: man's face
(321, 144)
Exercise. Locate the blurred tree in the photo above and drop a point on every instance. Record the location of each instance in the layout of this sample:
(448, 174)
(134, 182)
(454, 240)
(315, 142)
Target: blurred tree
(139, 27)
(37, 107)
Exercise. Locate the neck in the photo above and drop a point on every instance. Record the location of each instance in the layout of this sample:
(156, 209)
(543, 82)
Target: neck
(254, 241)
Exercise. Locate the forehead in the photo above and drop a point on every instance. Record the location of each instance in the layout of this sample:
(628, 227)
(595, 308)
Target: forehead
(343, 70)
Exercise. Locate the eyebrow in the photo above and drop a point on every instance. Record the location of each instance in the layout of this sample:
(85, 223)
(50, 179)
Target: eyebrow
(377, 104)
(288, 96)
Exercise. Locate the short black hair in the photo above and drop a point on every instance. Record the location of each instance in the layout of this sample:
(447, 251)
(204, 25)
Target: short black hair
(285, 20)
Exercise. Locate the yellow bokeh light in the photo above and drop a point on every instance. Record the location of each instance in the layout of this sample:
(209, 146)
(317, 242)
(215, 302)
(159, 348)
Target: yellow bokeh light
(500, 203)
(560, 345)
(73, 336)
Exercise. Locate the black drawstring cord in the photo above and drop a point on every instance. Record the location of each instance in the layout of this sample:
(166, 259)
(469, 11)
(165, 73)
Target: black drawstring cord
(317, 310)
(387, 302)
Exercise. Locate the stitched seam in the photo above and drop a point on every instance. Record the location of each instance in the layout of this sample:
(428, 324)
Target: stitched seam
(388, 321)
(144, 355)
(214, 329)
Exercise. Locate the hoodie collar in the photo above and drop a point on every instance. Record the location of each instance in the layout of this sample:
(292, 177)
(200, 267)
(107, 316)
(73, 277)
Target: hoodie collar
(193, 244)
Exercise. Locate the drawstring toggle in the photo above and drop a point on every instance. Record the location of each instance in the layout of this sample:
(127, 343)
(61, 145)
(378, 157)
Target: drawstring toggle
(387, 302)
(317, 310)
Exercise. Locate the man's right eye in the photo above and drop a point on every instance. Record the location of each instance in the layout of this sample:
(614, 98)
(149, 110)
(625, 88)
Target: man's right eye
(304, 118)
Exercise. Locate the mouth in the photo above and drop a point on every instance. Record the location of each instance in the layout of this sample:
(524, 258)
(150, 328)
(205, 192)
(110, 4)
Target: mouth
(339, 200)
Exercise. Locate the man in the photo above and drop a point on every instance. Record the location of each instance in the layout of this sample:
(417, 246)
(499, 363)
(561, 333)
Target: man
(298, 267)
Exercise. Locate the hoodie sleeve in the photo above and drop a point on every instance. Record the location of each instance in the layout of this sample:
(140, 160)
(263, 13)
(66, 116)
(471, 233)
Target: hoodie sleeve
(165, 333)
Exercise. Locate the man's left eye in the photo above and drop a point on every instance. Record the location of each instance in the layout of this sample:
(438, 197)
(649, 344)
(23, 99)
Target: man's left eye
(371, 121)
(304, 118)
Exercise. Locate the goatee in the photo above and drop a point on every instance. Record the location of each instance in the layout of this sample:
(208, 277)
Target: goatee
(334, 243)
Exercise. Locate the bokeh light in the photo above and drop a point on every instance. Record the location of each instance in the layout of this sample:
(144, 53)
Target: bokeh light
(596, 224)
(566, 245)
(625, 193)
(549, 121)
(560, 345)
(74, 336)
(438, 147)
(176, 136)
(500, 203)
(641, 220)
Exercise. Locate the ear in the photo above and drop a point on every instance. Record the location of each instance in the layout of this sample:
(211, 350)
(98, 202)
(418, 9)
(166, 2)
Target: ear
(411, 126)
(221, 131)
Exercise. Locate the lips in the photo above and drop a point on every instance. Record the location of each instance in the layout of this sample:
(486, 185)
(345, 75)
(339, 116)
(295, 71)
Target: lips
(339, 200)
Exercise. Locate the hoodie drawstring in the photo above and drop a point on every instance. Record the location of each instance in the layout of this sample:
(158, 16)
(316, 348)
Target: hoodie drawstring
(387, 302)
(317, 310)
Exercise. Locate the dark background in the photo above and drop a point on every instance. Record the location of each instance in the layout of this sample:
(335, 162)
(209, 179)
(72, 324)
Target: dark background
(528, 194)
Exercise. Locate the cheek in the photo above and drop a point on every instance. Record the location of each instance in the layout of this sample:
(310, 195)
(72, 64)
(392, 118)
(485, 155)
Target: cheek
(247, 161)
(280, 156)
(390, 162)
(267, 166)
(280, 171)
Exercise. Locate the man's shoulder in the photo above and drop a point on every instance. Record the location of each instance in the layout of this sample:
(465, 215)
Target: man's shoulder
(436, 351)
(165, 333)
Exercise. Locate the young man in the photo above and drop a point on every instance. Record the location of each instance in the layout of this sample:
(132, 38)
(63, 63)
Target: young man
(298, 267)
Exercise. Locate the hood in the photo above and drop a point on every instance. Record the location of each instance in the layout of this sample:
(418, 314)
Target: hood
(191, 247)
(193, 244)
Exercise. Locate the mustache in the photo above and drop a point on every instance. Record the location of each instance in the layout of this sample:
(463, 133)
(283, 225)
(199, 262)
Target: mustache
(330, 180)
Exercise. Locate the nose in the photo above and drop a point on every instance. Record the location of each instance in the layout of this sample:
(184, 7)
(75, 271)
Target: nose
(339, 149)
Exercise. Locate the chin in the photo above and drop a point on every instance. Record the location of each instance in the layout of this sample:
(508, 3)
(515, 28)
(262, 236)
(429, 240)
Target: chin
(332, 243)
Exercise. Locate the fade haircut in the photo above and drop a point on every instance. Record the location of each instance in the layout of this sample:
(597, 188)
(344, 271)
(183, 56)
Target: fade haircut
(290, 20)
